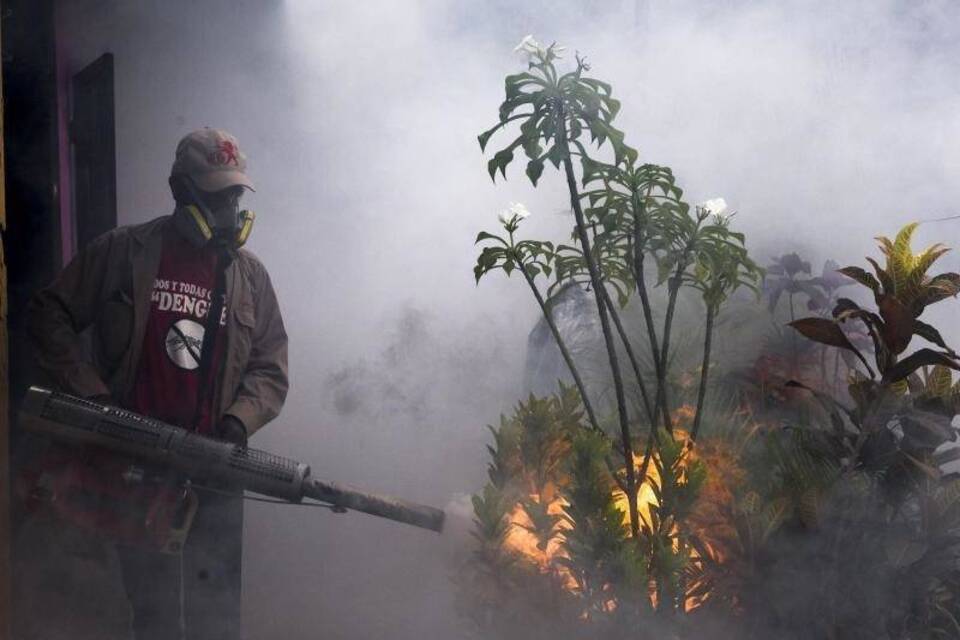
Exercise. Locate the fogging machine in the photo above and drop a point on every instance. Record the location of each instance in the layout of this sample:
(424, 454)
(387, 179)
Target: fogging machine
(69, 419)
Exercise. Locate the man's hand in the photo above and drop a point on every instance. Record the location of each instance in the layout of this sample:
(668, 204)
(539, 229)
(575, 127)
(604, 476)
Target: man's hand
(232, 430)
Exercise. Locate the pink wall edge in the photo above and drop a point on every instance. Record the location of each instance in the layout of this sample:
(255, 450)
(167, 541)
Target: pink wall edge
(64, 147)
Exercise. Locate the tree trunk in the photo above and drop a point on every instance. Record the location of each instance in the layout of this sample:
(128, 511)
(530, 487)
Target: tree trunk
(598, 285)
(704, 372)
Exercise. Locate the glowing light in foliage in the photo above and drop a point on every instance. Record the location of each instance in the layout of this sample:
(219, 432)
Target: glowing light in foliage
(522, 541)
(723, 474)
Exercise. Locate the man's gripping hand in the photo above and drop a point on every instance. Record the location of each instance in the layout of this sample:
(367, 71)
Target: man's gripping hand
(232, 430)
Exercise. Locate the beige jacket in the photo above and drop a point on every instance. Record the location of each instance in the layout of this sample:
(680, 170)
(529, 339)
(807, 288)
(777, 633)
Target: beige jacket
(107, 287)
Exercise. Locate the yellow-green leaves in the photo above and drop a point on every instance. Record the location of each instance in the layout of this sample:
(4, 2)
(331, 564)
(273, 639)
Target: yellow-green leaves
(905, 276)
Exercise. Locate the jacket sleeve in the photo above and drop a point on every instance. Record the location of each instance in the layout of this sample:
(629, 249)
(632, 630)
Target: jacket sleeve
(264, 383)
(59, 313)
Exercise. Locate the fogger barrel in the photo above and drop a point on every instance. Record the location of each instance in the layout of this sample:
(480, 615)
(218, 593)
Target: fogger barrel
(67, 418)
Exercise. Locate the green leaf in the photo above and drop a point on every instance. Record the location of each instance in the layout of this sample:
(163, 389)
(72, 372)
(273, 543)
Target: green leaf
(590, 168)
(530, 132)
(940, 381)
(598, 85)
(925, 260)
(613, 106)
(597, 131)
(483, 235)
(555, 155)
(511, 104)
(484, 137)
(514, 83)
(902, 255)
(500, 162)
(534, 170)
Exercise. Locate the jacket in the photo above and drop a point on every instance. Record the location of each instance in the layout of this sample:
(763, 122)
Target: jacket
(107, 288)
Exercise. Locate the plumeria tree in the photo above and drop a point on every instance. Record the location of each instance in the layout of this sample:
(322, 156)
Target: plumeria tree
(631, 230)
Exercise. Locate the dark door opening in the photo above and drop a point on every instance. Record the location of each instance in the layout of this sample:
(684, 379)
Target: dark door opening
(94, 151)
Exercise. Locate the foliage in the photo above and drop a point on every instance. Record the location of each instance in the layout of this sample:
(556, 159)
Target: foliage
(559, 108)
(599, 556)
(899, 418)
(902, 290)
(860, 487)
(831, 518)
(666, 537)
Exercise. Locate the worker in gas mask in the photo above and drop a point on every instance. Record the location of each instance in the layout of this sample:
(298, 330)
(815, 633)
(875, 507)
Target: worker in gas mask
(186, 328)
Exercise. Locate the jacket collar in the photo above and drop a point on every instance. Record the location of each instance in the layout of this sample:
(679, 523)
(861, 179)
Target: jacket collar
(142, 233)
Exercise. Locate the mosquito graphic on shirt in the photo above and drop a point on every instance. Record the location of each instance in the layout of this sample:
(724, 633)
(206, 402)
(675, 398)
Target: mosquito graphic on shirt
(184, 342)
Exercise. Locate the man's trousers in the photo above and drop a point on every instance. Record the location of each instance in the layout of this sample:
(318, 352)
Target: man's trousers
(196, 595)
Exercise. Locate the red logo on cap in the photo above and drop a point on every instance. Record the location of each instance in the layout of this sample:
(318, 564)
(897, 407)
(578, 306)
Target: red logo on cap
(226, 153)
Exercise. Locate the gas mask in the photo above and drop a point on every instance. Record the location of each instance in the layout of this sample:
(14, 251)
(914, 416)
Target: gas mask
(213, 219)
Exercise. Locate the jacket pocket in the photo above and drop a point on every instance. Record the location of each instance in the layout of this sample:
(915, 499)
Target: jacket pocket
(245, 315)
(245, 321)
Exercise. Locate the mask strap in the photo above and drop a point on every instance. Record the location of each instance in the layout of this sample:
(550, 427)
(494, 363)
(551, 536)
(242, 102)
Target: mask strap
(198, 200)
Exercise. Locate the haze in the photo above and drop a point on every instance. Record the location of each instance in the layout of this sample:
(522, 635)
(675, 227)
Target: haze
(822, 124)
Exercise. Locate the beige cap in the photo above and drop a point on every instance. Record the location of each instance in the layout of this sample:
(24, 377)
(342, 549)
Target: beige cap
(212, 158)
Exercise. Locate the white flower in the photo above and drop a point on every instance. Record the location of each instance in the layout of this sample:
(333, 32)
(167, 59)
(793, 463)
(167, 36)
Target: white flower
(531, 48)
(715, 206)
(513, 214)
(519, 210)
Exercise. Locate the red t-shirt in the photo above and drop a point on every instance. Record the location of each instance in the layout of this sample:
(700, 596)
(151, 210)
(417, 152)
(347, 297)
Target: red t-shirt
(167, 385)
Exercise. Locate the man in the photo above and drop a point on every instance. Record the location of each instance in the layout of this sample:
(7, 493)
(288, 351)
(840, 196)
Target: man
(185, 328)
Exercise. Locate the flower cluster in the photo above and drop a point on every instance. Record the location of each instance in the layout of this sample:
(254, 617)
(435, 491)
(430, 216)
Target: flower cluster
(716, 207)
(511, 216)
(536, 51)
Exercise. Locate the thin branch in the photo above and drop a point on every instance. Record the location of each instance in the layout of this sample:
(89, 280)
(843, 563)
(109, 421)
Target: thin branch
(644, 396)
(704, 372)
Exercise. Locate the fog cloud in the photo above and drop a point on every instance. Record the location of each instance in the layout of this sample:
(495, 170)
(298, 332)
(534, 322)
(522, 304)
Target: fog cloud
(822, 124)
